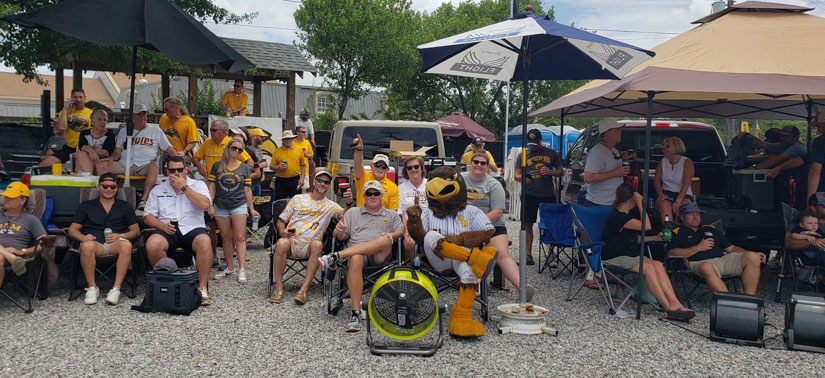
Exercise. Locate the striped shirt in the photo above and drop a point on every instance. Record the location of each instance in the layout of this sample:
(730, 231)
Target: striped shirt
(469, 219)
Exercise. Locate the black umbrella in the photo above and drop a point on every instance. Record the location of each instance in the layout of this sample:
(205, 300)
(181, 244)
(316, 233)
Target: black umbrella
(157, 25)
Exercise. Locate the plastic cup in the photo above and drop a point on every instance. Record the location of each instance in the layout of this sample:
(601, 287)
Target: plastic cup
(57, 169)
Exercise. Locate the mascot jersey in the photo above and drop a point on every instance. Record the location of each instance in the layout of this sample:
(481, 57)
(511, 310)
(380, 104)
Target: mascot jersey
(470, 218)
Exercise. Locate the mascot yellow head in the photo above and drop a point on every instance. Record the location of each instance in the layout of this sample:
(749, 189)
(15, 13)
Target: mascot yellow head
(446, 192)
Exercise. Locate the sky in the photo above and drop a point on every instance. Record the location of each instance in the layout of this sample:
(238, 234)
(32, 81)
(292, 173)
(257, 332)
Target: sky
(643, 23)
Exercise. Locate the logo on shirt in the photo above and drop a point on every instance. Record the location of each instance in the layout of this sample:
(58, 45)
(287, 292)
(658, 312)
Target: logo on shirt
(460, 218)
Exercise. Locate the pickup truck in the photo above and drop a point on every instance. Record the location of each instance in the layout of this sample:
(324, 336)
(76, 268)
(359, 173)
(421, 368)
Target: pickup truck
(756, 229)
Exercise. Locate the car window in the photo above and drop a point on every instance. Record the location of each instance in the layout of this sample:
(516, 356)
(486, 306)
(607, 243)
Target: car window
(575, 150)
(701, 145)
(377, 139)
(591, 137)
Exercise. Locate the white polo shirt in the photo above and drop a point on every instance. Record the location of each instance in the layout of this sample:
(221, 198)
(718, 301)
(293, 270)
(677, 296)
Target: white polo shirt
(163, 203)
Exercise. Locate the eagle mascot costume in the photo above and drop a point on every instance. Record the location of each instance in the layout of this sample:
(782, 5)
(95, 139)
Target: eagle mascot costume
(452, 233)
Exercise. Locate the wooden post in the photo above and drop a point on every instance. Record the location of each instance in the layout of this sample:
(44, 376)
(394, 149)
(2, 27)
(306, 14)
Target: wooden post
(59, 91)
(290, 101)
(256, 97)
(77, 78)
(165, 87)
(193, 94)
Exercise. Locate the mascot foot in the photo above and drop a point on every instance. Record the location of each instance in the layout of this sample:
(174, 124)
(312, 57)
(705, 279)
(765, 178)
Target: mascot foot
(461, 322)
(482, 260)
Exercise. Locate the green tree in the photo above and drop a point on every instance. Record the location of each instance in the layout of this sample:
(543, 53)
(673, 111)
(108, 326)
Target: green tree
(358, 43)
(24, 49)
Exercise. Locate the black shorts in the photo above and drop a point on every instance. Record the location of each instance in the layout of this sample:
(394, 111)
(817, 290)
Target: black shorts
(182, 241)
(532, 206)
(500, 230)
(286, 187)
(63, 153)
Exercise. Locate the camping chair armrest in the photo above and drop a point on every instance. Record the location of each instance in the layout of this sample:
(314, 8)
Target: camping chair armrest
(63, 233)
(46, 243)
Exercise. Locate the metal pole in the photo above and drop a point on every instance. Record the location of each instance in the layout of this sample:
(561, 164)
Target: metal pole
(809, 108)
(522, 253)
(643, 210)
(562, 139)
(130, 124)
(506, 125)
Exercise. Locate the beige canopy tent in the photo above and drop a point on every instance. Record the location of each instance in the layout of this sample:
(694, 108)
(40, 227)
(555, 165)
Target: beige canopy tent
(752, 60)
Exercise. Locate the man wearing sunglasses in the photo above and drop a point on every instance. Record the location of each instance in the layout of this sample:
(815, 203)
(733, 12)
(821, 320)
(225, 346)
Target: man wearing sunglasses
(234, 102)
(185, 200)
(543, 165)
(378, 171)
(92, 218)
(211, 150)
(371, 230)
(301, 228)
(301, 142)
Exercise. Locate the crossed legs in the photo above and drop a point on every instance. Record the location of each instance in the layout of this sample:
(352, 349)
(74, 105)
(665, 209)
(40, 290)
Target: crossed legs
(658, 284)
(379, 248)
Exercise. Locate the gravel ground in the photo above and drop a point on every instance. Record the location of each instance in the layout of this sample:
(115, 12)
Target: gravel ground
(242, 334)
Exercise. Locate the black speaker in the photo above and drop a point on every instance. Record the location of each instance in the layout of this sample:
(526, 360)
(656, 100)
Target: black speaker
(737, 319)
(805, 323)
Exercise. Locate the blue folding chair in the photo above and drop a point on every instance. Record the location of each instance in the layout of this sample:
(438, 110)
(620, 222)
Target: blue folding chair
(557, 238)
(588, 224)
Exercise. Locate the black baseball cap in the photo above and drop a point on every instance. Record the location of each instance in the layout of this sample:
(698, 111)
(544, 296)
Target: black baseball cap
(534, 136)
(478, 141)
(107, 177)
(790, 130)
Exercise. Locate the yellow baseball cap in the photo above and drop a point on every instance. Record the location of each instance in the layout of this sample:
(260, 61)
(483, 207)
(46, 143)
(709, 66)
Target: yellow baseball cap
(256, 131)
(16, 189)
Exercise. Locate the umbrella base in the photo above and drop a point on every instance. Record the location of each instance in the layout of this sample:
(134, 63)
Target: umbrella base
(525, 319)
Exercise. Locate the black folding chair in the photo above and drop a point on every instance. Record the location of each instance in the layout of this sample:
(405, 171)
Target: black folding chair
(449, 279)
(334, 280)
(33, 282)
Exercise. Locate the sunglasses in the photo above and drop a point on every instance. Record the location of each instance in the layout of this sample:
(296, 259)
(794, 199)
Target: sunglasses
(214, 130)
(236, 149)
(238, 86)
(322, 181)
(175, 170)
(413, 167)
(372, 194)
(381, 166)
(479, 162)
(108, 186)
(301, 131)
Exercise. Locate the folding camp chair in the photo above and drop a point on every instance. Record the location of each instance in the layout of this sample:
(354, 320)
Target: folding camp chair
(34, 283)
(262, 206)
(556, 238)
(796, 261)
(449, 279)
(106, 274)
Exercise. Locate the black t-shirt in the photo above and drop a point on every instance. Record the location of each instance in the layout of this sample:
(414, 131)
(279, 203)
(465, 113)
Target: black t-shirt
(94, 218)
(619, 241)
(106, 142)
(685, 237)
(540, 186)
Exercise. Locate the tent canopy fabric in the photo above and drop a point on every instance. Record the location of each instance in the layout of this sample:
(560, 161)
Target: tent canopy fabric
(458, 124)
(742, 64)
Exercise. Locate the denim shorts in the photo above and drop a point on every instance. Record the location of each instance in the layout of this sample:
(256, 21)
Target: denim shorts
(224, 213)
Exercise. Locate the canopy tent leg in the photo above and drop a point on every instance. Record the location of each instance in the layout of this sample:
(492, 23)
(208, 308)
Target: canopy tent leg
(561, 149)
(522, 253)
(643, 210)
(130, 124)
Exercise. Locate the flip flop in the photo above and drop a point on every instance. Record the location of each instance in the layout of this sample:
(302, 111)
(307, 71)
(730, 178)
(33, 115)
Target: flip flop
(18, 266)
(593, 285)
(680, 315)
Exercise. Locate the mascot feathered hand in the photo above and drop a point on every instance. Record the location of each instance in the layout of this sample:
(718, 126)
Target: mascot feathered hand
(452, 234)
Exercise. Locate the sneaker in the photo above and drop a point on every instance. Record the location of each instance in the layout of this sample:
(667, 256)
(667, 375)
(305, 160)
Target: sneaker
(141, 205)
(530, 260)
(91, 295)
(328, 261)
(223, 274)
(206, 300)
(114, 296)
(277, 296)
(354, 324)
(222, 266)
(215, 263)
(301, 297)
(242, 276)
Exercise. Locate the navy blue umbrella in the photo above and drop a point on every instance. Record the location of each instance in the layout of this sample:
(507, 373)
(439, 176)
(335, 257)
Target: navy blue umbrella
(530, 47)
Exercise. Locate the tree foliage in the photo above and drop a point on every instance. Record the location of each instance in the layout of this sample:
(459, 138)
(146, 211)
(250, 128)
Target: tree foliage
(24, 49)
(358, 43)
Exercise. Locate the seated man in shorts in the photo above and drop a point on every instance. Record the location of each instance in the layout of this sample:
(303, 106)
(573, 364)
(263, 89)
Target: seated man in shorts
(711, 255)
(146, 141)
(92, 218)
(176, 209)
(371, 230)
(18, 230)
(301, 227)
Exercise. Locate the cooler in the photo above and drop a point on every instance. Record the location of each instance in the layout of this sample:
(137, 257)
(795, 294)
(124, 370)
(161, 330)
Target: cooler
(65, 190)
(756, 185)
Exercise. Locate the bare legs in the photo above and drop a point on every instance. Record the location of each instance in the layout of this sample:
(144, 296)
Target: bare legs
(658, 284)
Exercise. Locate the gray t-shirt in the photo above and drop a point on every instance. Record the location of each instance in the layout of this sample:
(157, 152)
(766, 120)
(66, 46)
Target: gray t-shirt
(20, 231)
(543, 158)
(603, 159)
(363, 226)
(486, 195)
(796, 150)
(229, 185)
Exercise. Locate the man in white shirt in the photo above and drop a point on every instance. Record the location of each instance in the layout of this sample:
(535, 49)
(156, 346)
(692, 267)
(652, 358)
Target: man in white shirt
(603, 170)
(146, 140)
(303, 120)
(182, 200)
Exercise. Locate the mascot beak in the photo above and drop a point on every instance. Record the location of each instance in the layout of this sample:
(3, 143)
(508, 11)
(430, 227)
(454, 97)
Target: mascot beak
(439, 189)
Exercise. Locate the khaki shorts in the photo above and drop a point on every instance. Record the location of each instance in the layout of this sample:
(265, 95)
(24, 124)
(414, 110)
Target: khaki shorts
(725, 266)
(624, 262)
(136, 170)
(299, 247)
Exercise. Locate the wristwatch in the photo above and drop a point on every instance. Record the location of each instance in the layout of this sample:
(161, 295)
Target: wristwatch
(25, 250)
(183, 188)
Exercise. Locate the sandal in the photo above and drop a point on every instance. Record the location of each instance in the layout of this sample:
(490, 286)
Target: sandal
(682, 314)
(593, 285)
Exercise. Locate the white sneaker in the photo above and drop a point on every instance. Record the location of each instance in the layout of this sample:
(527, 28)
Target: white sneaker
(224, 273)
(91, 295)
(328, 261)
(114, 296)
(242, 276)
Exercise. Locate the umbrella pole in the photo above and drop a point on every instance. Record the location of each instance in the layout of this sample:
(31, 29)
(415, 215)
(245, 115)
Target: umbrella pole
(522, 253)
(506, 124)
(643, 210)
(561, 149)
(130, 124)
